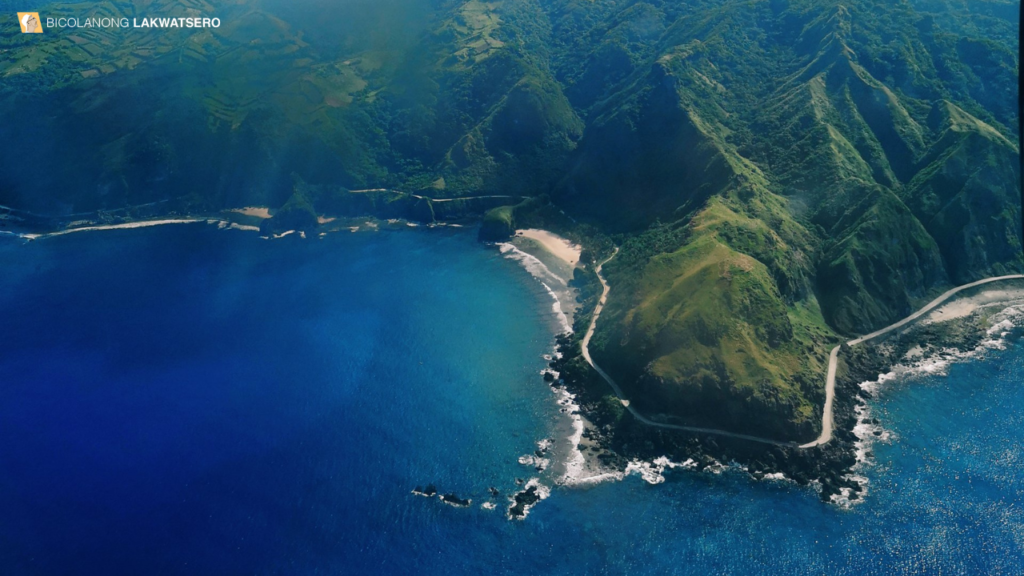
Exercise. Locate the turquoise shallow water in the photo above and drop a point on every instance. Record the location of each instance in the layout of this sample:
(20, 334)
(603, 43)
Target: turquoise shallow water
(186, 400)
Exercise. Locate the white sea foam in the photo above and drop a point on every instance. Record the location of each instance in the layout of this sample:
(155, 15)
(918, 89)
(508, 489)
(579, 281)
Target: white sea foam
(547, 279)
(221, 225)
(577, 470)
(556, 307)
(20, 235)
(843, 498)
(576, 462)
(534, 461)
(936, 362)
(532, 264)
(917, 362)
(867, 433)
(653, 472)
(225, 225)
(596, 479)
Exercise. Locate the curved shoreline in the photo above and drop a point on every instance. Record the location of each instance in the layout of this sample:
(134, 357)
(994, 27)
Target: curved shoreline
(830, 380)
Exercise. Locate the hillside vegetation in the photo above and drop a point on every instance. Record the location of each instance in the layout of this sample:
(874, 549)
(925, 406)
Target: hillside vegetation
(778, 173)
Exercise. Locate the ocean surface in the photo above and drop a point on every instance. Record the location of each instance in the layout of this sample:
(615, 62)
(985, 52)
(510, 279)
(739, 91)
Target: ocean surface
(188, 400)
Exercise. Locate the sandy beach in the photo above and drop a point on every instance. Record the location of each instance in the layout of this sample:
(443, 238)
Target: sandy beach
(556, 245)
(140, 224)
(255, 211)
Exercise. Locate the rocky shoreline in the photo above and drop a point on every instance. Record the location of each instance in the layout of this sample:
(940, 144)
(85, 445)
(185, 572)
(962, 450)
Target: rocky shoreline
(615, 442)
(40, 227)
(310, 211)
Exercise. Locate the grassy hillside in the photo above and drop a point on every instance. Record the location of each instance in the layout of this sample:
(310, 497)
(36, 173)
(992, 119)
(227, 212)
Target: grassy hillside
(704, 333)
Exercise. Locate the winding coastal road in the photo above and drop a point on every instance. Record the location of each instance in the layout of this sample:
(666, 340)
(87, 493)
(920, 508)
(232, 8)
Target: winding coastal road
(826, 417)
(830, 382)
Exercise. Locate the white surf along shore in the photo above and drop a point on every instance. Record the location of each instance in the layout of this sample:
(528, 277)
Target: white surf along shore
(246, 219)
(1002, 306)
(552, 259)
(123, 226)
(90, 227)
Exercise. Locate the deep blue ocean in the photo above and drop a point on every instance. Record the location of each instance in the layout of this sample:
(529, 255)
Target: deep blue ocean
(187, 400)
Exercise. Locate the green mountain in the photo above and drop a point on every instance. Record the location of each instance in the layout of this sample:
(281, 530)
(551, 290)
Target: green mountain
(777, 172)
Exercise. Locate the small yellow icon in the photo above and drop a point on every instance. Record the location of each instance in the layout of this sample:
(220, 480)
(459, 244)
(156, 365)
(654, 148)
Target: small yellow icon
(30, 23)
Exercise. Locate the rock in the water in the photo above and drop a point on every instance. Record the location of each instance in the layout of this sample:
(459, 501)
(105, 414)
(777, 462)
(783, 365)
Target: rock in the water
(453, 500)
(428, 492)
(522, 502)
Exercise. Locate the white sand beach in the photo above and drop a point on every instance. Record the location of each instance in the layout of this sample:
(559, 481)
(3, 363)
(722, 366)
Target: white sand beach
(556, 245)
(126, 225)
(255, 211)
